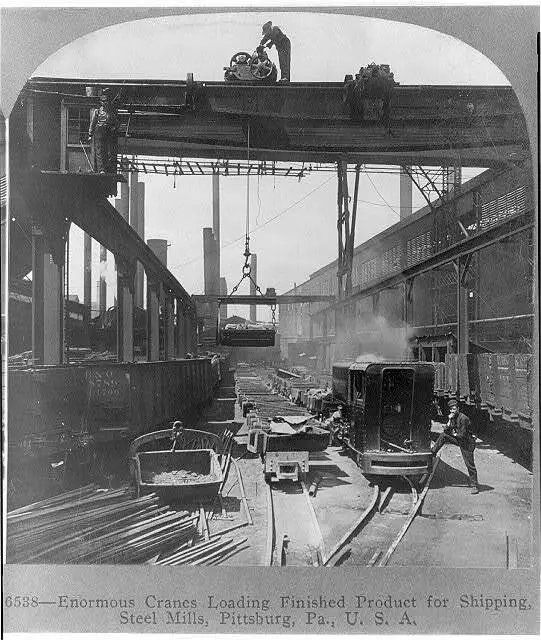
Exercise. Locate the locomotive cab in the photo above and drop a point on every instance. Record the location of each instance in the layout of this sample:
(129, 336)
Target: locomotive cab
(390, 417)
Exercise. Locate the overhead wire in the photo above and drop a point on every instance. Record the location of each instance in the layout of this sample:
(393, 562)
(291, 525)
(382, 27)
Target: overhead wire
(380, 195)
(260, 226)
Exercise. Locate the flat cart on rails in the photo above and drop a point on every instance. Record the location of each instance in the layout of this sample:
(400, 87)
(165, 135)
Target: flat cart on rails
(285, 447)
(388, 414)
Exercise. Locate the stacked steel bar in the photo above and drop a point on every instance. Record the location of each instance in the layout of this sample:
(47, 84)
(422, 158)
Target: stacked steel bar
(266, 402)
(208, 552)
(94, 526)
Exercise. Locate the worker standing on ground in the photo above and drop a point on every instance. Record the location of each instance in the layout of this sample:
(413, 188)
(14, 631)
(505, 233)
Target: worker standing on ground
(275, 36)
(458, 432)
(103, 132)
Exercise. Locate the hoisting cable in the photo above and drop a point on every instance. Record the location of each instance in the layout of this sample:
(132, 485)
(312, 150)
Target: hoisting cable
(246, 267)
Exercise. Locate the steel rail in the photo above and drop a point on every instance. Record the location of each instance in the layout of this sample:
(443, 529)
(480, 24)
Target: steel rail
(269, 547)
(355, 527)
(313, 516)
(383, 562)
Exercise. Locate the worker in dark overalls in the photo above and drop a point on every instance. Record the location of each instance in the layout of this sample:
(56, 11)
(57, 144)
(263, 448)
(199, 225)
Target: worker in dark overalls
(103, 132)
(458, 432)
(275, 36)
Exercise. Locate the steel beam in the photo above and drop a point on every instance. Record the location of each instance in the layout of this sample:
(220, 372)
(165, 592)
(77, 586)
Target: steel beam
(264, 300)
(440, 125)
(82, 199)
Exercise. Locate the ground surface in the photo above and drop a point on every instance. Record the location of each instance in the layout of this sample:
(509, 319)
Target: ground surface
(453, 529)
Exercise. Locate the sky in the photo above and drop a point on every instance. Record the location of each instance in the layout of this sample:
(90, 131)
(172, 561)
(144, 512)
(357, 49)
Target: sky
(293, 223)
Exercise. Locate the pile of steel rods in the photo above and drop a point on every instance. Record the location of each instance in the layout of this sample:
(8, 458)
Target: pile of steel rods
(207, 553)
(214, 548)
(94, 526)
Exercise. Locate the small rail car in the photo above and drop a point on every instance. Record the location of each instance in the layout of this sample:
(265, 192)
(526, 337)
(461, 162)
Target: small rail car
(387, 415)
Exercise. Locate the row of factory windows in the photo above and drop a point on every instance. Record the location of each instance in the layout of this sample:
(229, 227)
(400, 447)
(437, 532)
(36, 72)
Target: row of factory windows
(417, 249)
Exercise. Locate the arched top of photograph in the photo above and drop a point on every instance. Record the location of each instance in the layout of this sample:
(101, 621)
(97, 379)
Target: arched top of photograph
(324, 48)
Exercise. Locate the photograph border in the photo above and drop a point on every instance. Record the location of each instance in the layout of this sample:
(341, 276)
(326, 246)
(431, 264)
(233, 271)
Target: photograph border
(508, 37)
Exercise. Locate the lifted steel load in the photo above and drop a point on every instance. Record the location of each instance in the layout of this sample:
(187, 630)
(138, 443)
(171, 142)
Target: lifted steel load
(246, 336)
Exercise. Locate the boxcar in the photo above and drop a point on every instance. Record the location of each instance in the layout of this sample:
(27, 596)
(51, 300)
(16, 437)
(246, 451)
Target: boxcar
(389, 416)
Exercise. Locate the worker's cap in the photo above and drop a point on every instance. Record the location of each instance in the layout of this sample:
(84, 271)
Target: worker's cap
(340, 406)
(452, 404)
(267, 27)
(105, 94)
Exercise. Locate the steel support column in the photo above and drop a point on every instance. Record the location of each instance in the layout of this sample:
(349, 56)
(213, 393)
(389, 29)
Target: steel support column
(87, 276)
(189, 329)
(169, 329)
(408, 312)
(103, 282)
(38, 295)
(153, 319)
(408, 301)
(180, 331)
(463, 342)
(47, 299)
(346, 228)
(125, 293)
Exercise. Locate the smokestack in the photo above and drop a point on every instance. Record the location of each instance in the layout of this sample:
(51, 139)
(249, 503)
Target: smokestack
(223, 292)
(210, 272)
(140, 228)
(133, 200)
(253, 273)
(210, 262)
(122, 203)
(159, 246)
(406, 200)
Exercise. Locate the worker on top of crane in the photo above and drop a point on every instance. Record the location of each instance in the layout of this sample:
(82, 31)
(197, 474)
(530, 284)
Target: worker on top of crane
(275, 36)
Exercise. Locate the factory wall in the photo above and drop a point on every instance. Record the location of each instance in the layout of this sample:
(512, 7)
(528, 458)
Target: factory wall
(499, 280)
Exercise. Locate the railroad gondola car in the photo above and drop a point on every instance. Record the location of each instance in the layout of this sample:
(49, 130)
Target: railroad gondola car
(388, 415)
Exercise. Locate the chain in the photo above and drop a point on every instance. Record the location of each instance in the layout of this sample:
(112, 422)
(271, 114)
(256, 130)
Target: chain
(246, 267)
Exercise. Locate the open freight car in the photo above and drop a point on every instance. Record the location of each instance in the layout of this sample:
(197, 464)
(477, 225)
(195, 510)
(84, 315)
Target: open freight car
(387, 415)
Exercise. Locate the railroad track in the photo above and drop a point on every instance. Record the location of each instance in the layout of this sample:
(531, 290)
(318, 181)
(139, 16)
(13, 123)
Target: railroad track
(376, 534)
(293, 535)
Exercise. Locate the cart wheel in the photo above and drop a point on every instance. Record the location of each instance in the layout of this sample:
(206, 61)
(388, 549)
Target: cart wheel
(242, 57)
